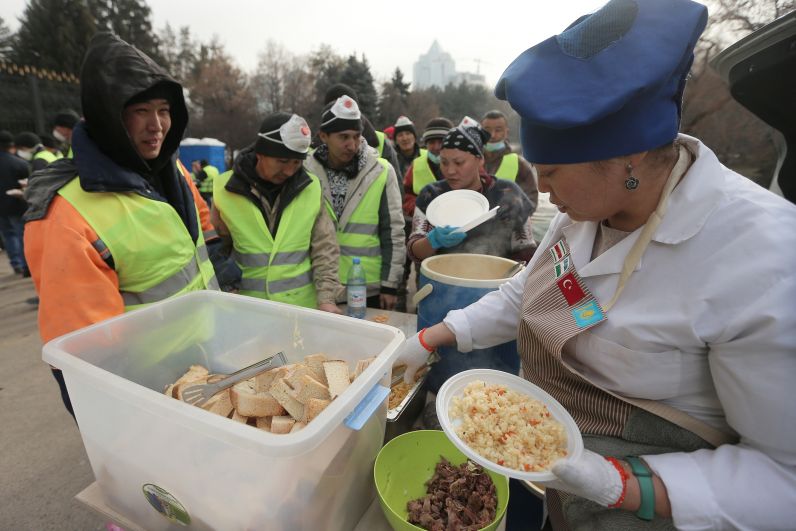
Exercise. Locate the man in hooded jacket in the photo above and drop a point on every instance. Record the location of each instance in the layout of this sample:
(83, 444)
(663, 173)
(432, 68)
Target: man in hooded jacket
(119, 226)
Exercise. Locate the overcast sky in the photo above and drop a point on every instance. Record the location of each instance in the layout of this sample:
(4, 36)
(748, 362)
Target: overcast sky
(390, 33)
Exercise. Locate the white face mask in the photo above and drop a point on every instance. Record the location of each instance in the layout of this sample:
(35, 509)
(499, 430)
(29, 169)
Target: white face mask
(58, 136)
(25, 155)
(294, 134)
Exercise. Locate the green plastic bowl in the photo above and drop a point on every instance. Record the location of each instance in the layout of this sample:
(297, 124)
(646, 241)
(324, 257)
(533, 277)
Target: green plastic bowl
(405, 464)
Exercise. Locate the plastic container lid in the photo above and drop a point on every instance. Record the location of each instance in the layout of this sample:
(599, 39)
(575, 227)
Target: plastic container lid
(456, 208)
(455, 385)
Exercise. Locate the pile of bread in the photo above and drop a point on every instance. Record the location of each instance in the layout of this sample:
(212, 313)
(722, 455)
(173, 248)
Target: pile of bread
(280, 400)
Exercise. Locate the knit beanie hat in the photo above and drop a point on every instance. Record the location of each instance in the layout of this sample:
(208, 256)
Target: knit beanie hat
(437, 128)
(404, 124)
(48, 141)
(468, 136)
(66, 118)
(6, 139)
(27, 140)
(342, 115)
(283, 136)
(337, 90)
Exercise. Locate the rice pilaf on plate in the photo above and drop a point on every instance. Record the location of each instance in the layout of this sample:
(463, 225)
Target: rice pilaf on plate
(508, 427)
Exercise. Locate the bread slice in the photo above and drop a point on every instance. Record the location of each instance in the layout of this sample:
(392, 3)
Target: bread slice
(264, 423)
(298, 372)
(285, 395)
(314, 407)
(361, 366)
(336, 376)
(196, 373)
(263, 381)
(282, 424)
(251, 404)
(220, 404)
(315, 363)
(237, 417)
(309, 387)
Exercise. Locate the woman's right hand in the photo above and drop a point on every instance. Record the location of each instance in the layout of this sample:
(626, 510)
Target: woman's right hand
(414, 355)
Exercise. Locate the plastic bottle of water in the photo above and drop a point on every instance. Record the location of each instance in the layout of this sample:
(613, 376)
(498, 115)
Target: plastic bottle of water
(356, 290)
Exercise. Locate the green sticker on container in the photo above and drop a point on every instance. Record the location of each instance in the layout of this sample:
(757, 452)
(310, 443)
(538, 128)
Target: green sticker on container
(166, 504)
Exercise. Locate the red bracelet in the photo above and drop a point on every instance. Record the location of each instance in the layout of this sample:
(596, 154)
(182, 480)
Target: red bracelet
(624, 477)
(422, 342)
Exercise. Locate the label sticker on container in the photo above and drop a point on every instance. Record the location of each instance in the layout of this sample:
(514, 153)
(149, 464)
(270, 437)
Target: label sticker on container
(166, 504)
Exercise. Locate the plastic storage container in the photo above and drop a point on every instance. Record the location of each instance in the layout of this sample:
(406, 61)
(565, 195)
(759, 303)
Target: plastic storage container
(163, 463)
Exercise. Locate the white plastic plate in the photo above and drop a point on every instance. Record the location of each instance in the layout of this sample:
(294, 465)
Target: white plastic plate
(456, 208)
(455, 387)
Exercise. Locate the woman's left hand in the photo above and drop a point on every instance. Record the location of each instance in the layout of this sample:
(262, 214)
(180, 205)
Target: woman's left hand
(591, 476)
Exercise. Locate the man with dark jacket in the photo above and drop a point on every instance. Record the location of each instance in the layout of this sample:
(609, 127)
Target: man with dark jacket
(273, 212)
(63, 124)
(12, 170)
(119, 226)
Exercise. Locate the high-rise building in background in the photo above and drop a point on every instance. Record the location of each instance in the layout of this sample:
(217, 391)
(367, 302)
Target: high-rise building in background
(434, 68)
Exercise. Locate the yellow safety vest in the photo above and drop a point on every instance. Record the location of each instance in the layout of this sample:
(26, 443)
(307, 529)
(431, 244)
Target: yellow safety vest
(48, 156)
(421, 172)
(153, 253)
(509, 167)
(278, 269)
(381, 136)
(360, 236)
(206, 186)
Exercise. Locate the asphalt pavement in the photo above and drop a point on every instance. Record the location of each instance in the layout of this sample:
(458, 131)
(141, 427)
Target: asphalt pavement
(42, 461)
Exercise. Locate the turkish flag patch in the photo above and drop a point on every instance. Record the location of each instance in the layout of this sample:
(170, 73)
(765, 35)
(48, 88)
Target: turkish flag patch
(570, 289)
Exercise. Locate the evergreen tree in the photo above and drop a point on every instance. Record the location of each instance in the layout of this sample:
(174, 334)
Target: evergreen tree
(356, 75)
(399, 85)
(54, 34)
(129, 19)
(6, 41)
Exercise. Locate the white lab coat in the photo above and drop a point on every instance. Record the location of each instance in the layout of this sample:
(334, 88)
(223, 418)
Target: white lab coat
(707, 324)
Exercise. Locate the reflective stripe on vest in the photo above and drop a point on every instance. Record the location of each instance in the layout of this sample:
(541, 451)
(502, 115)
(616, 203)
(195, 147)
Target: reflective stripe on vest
(153, 255)
(206, 186)
(381, 136)
(360, 236)
(421, 172)
(169, 286)
(276, 268)
(509, 167)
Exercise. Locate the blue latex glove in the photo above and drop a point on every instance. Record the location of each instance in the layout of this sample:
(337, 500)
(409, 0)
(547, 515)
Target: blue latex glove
(445, 237)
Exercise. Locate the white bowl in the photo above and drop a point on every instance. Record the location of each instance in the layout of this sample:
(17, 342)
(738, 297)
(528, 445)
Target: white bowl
(456, 208)
(455, 385)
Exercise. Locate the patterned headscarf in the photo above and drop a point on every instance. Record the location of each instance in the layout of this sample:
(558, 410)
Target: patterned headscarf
(468, 136)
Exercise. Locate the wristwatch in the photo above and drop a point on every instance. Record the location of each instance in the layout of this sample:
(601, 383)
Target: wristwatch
(646, 510)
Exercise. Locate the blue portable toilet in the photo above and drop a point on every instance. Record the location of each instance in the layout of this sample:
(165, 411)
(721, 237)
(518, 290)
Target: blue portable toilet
(210, 149)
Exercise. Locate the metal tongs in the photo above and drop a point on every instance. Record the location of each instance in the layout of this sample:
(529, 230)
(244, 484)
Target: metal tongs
(198, 395)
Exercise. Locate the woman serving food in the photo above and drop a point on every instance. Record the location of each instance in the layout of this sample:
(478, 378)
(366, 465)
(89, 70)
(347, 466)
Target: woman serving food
(658, 310)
